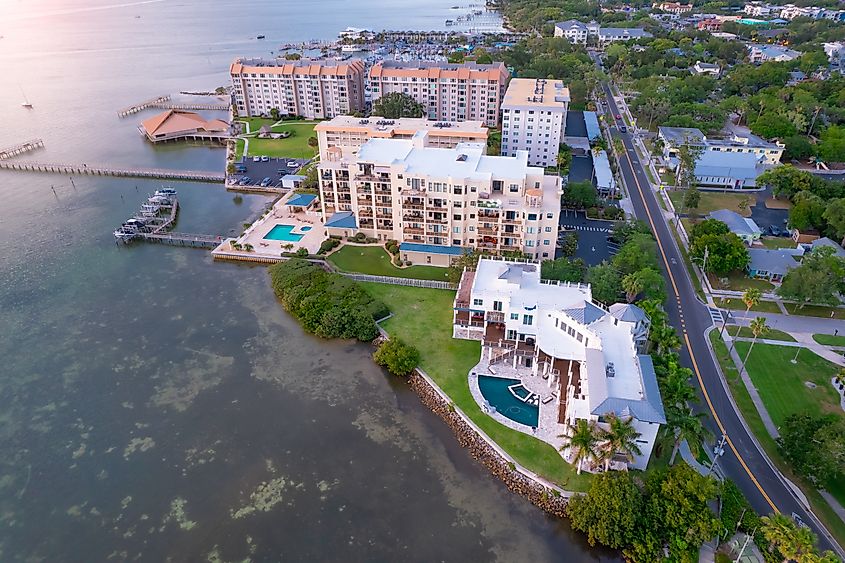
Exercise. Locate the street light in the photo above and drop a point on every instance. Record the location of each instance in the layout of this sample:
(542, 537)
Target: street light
(719, 451)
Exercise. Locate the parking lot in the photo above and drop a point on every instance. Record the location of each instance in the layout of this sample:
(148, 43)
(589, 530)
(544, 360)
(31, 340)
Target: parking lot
(593, 246)
(272, 168)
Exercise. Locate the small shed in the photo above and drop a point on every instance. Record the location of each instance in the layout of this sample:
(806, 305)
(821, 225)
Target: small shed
(292, 181)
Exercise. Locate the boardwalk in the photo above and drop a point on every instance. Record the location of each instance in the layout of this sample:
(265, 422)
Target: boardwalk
(143, 105)
(21, 148)
(188, 106)
(96, 170)
(183, 239)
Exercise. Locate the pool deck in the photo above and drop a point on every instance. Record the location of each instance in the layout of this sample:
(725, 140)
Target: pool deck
(281, 214)
(549, 429)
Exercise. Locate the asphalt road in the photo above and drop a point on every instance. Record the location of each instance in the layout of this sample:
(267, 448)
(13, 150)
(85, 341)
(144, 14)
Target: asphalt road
(742, 461)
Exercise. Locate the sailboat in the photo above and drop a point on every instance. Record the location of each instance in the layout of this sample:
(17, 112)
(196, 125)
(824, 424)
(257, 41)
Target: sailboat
(25, 103)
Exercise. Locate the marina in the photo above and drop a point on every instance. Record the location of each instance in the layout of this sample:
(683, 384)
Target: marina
(95, 170)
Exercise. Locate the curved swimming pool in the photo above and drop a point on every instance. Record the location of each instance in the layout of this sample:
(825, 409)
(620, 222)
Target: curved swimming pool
(496, 390)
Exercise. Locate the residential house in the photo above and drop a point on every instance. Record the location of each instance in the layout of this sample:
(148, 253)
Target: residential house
(730, 171)
(758, 54)
(771, 265)
(796, 77)
(709, 25)
(805, 237)
(708, 69)
(438, 202)
(672, 7)
(448, 91)
(534, 119)
(674, 137)
(551, 356)
(824, 241)
(763, 9)
(579, 33)
(614, 34)
(318, 89)
(743, 227)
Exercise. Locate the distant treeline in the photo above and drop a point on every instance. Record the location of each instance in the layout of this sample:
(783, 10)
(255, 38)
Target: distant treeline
(326, 304)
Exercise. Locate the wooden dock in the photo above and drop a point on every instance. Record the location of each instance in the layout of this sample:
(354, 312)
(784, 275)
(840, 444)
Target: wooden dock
(143, 105)
(97, 170)
(183, 239)
(168, 105)
(21, 148)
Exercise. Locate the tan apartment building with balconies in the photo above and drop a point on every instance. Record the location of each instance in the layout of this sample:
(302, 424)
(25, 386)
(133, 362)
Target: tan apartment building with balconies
(318, 89)
(349, 131)
(439, 202)
(448, 91)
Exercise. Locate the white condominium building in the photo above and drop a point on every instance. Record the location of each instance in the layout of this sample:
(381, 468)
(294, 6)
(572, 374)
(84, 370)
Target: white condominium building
(534, 119)
(313, 89)
(447, 91)
(439, 202)
(580, 33)
(348, 131)
(550, 356)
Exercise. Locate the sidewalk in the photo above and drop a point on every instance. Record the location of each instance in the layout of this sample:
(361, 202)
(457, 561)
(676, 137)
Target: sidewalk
(797, 328)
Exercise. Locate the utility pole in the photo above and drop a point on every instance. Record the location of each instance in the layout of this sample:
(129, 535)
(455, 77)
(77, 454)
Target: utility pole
(744, 545)
(719, 451)
(795, 359)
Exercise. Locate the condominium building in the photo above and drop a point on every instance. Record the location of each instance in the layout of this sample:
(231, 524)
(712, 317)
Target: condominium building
(580, 33)
(759, 54)
(673, 138)
(447, 91)
(439, 202)
(672, 7)
(551, 356)
(348, 131)
(534, 119)
(317, 89)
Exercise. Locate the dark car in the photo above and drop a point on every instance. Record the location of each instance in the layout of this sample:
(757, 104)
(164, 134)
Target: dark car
(623, 129)
(266, 182)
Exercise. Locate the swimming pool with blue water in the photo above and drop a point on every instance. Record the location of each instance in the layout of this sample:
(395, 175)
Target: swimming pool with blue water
(496, 391)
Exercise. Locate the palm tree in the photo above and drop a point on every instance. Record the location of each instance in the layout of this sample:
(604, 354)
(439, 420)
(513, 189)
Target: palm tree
(758, 328)
(677, 390)
(683, 424)
(750, 297)
(620, 438)
(795, 543)
(632, 284)
(582, 439)
(665, 337)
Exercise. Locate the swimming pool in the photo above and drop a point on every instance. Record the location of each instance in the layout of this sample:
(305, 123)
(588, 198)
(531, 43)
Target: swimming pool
(283, 232)
(496, 391)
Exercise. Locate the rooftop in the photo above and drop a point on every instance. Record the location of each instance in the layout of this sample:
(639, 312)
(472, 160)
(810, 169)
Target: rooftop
(738, 224)
(435, 69)
(592, 123)
(636, 32)
(538, 92)
(728, 164)
(342, 220)
(380, 126)
(174, 121)
(302, 66)
(773, 261)
(601, 166)
(301, 200)
(681, 135)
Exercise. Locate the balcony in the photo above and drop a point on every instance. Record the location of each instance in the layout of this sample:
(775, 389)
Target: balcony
(365, 213)
(413, 230)
(408, 205)
(510, 248)
(491, 231)
(383, 215)
(364, 201)
(495, 317)
(413, 217)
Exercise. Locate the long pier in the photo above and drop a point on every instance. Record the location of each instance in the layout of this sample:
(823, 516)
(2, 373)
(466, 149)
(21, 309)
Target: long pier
(183, 239)
(96, 170)
(143, 105)
(21, 148)
(189, 106)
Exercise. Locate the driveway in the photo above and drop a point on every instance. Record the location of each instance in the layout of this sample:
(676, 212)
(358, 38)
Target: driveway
(764, 216)
(593, 246)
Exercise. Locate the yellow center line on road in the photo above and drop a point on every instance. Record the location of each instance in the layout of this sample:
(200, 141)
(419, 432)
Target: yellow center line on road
(689, 345)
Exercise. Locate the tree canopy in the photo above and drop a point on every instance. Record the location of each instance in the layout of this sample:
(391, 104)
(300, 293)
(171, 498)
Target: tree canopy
(397, 105)
(818, 280)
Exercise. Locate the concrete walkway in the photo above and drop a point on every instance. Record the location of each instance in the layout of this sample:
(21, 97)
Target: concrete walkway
(796, 323)
(805, 340)
(771, 428)
(687, 456)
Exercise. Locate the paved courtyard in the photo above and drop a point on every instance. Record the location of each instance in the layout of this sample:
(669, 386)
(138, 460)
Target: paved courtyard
(306, 225)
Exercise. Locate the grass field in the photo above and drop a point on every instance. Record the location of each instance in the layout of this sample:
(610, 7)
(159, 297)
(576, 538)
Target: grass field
(752, 418)
(424, 317)
(773, 334)
(775, 243)
(829, 339)
(375, 260)
(738, 305)
(782, 383)
(295, 146)
(712, 201)
(815, 311)
(738, 281)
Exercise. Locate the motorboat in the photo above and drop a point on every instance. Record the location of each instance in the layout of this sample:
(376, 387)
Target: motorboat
(169, 193)
(260, 37)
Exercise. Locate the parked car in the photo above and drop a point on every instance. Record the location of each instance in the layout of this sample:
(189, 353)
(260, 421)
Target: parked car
(623, 129)
(265, 159)
(244, 181)
(618, 116)
(292, 164)
(240, 168)
(256, 159)
(266, 182)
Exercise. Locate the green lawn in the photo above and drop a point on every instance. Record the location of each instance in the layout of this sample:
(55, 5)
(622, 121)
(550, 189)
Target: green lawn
(424, 317)
(668, 178)
(752, 418)
(738, 305)
(738, 281)
(778, 242)
(782, 383)
(773, 334)
(375, 260)
(712, 201)
(815, 311)
(256, 123)
(295, 146)
(829, 339)
(239, 148)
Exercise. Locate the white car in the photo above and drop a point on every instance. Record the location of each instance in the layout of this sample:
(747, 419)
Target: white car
(256, 159)
(265, 159)
(292, 164)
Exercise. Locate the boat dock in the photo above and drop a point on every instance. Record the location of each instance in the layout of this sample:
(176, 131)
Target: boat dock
(96, 170)
(143, 105)
(21, 148)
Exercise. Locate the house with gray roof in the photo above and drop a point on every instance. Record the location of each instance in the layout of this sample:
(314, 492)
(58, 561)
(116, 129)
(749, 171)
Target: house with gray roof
(743, 227)
(826, 242)
(772, 265)
(731, 171)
